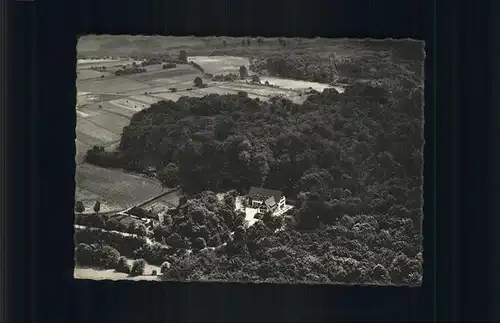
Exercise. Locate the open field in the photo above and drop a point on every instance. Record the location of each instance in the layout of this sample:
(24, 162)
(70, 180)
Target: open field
(92, 134)
(117, 110)
(116, 187)
(110, 121)
(121, 85)
(88, 199)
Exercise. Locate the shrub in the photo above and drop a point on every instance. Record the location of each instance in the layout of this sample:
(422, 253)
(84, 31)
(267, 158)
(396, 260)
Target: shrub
(169, 65)
(83, 254)
(255, 78)
(126, 245)
(79, 207)
(169, 176)
(109, 257)
(243, 72)
(199, 243)
(380, 274)
(122, 266)
(183, 56)
(154, 273)
(140, 230)
(138, 267)
(198, 82)
(97, 207)
(164, 267)
(176, 241)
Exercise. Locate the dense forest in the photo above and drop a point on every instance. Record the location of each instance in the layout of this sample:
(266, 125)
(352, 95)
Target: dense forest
(351, 162)
(391, 63)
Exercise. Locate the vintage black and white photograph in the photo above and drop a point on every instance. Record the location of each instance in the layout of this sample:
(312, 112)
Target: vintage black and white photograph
(249, 159)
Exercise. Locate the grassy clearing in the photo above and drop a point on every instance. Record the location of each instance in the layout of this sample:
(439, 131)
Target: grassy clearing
(116, 186)
(84, 195)
(93, 134)
(111, 122)
(88, 199)
(170, 199)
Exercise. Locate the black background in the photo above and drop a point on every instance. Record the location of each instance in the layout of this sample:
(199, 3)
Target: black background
(40, 125)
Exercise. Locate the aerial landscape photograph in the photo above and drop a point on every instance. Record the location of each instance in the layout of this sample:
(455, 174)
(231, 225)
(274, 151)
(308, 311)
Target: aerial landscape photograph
(249, 159)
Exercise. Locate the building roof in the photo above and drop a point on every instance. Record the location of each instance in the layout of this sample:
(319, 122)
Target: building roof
(270, 202)
(263, 193)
